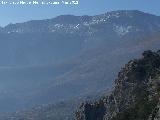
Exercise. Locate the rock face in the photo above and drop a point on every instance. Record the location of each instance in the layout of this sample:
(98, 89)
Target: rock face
(135, 95)
(156, 113)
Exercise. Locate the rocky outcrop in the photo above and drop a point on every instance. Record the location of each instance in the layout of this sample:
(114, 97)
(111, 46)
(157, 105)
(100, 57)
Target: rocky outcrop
(135, 95)
(155, 115)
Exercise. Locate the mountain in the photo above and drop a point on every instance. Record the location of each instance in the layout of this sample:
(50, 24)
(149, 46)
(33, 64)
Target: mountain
(52, 40)
(135, 96)
(58, 111)
(62, 110)
(47, 61)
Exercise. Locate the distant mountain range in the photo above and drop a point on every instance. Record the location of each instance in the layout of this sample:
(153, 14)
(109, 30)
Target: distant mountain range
(47, 61)
(49, 41)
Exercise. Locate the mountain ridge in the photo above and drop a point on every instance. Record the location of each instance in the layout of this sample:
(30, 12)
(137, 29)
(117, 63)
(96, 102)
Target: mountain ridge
(81, 16)
(71, 19)
(86, 59)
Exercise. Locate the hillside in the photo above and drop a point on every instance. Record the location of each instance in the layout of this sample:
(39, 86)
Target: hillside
(47, 61)
(40, 42)
(135, 95)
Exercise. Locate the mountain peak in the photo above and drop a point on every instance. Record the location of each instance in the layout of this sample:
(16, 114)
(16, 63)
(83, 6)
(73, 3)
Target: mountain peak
(126, 12)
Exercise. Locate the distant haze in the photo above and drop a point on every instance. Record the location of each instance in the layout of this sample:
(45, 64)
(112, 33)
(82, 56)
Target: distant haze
(91, 49)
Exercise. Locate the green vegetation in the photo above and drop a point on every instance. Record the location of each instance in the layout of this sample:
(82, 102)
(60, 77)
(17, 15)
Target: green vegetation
(140, 111)
(136, 94)
(146, 74)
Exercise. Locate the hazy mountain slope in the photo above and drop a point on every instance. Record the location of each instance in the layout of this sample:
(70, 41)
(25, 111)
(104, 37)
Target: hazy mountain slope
(18, 84)
(96, 70)
(92, 48)
(97, 80)
(62, 110)
(59, 111)
(49, 41)
(123, 92)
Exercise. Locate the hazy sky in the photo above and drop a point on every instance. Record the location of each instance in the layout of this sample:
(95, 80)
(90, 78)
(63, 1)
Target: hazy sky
(19, 13)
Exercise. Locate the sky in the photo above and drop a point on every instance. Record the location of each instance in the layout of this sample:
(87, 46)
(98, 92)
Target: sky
(21, 13)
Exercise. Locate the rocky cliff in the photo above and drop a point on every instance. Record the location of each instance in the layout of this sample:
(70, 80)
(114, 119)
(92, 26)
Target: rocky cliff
(135, 95)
